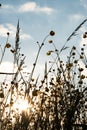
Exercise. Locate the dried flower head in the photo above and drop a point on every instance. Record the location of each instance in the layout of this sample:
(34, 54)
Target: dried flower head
(8, 45)
(13, 51)
(46, 89)
(85, 35)
(73, 53)
(85, 32)
(48, 53)
(80, 82)
(82, 49)
(76, 61)
(8, 33)
(85, 66)
(50, 41)
(81, 57)
(35, 92)
(52, 33)
(1, 95)
(80, 69)
(74, 48)
(82, 76)
(69, 65)
(84, 44)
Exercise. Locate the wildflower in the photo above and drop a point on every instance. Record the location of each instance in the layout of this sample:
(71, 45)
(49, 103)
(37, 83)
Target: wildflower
(68, 77)
(53, 70)
(76, 61)
(72, 86)
(8, 33)
(3, 83)
(83, 44)
(69, 66)
(49, 53)
(82, 76)
(81, 57)
(73, 53)
(51, 83)
(86, 66)
(42, 81)
(52, 33)
(13, 51)
(80, 69)
(74, 73)
(35, 93)
(85, 35)
(85, 32)
(7, 45)
(32, 80)
(22, 54)
(80, 82)
(82, 49)
(50, 41)
(12, 82)
(74, 48)
(1, 95)
(85, 106)
(46, 89)
(56, 50)
(82, 53)
(58, 79)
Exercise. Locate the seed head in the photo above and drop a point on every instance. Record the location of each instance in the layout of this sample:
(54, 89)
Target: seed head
(52, 33)
(8, 33)
(8, 45)
(50, 41)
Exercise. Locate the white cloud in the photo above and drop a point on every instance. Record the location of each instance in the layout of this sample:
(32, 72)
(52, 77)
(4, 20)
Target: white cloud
(7, 7)
(84, 3)
(27, 7)
(7, 28)
(25, 36)
(76, 17)
(30, 6)
(3, 30)
(6, 67)
(33, 7)
(46, 10)
(12, 30)
(83, 29)
(11, 27)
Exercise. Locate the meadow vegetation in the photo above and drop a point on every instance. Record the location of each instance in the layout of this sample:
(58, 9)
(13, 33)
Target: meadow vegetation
(56, 102)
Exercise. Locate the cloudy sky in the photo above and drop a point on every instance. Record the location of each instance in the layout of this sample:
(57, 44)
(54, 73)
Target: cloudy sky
(37, 18)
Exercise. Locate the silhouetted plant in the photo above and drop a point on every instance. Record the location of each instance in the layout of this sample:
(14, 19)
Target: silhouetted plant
(58, 101)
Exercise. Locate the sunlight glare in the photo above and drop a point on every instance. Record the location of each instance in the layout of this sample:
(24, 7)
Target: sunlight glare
(21, 105)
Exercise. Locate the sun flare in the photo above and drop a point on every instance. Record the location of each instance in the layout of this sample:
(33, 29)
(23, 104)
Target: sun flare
(21, 105)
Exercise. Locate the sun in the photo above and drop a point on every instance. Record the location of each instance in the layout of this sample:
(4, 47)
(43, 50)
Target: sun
(21, 105)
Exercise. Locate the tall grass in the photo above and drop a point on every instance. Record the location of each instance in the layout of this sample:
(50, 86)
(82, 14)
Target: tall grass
(58, 101)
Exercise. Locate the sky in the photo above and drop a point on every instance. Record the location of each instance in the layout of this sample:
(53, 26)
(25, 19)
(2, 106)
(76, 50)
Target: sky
(37, 18)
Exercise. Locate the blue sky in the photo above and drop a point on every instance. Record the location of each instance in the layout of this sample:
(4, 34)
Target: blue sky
(37, 18)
